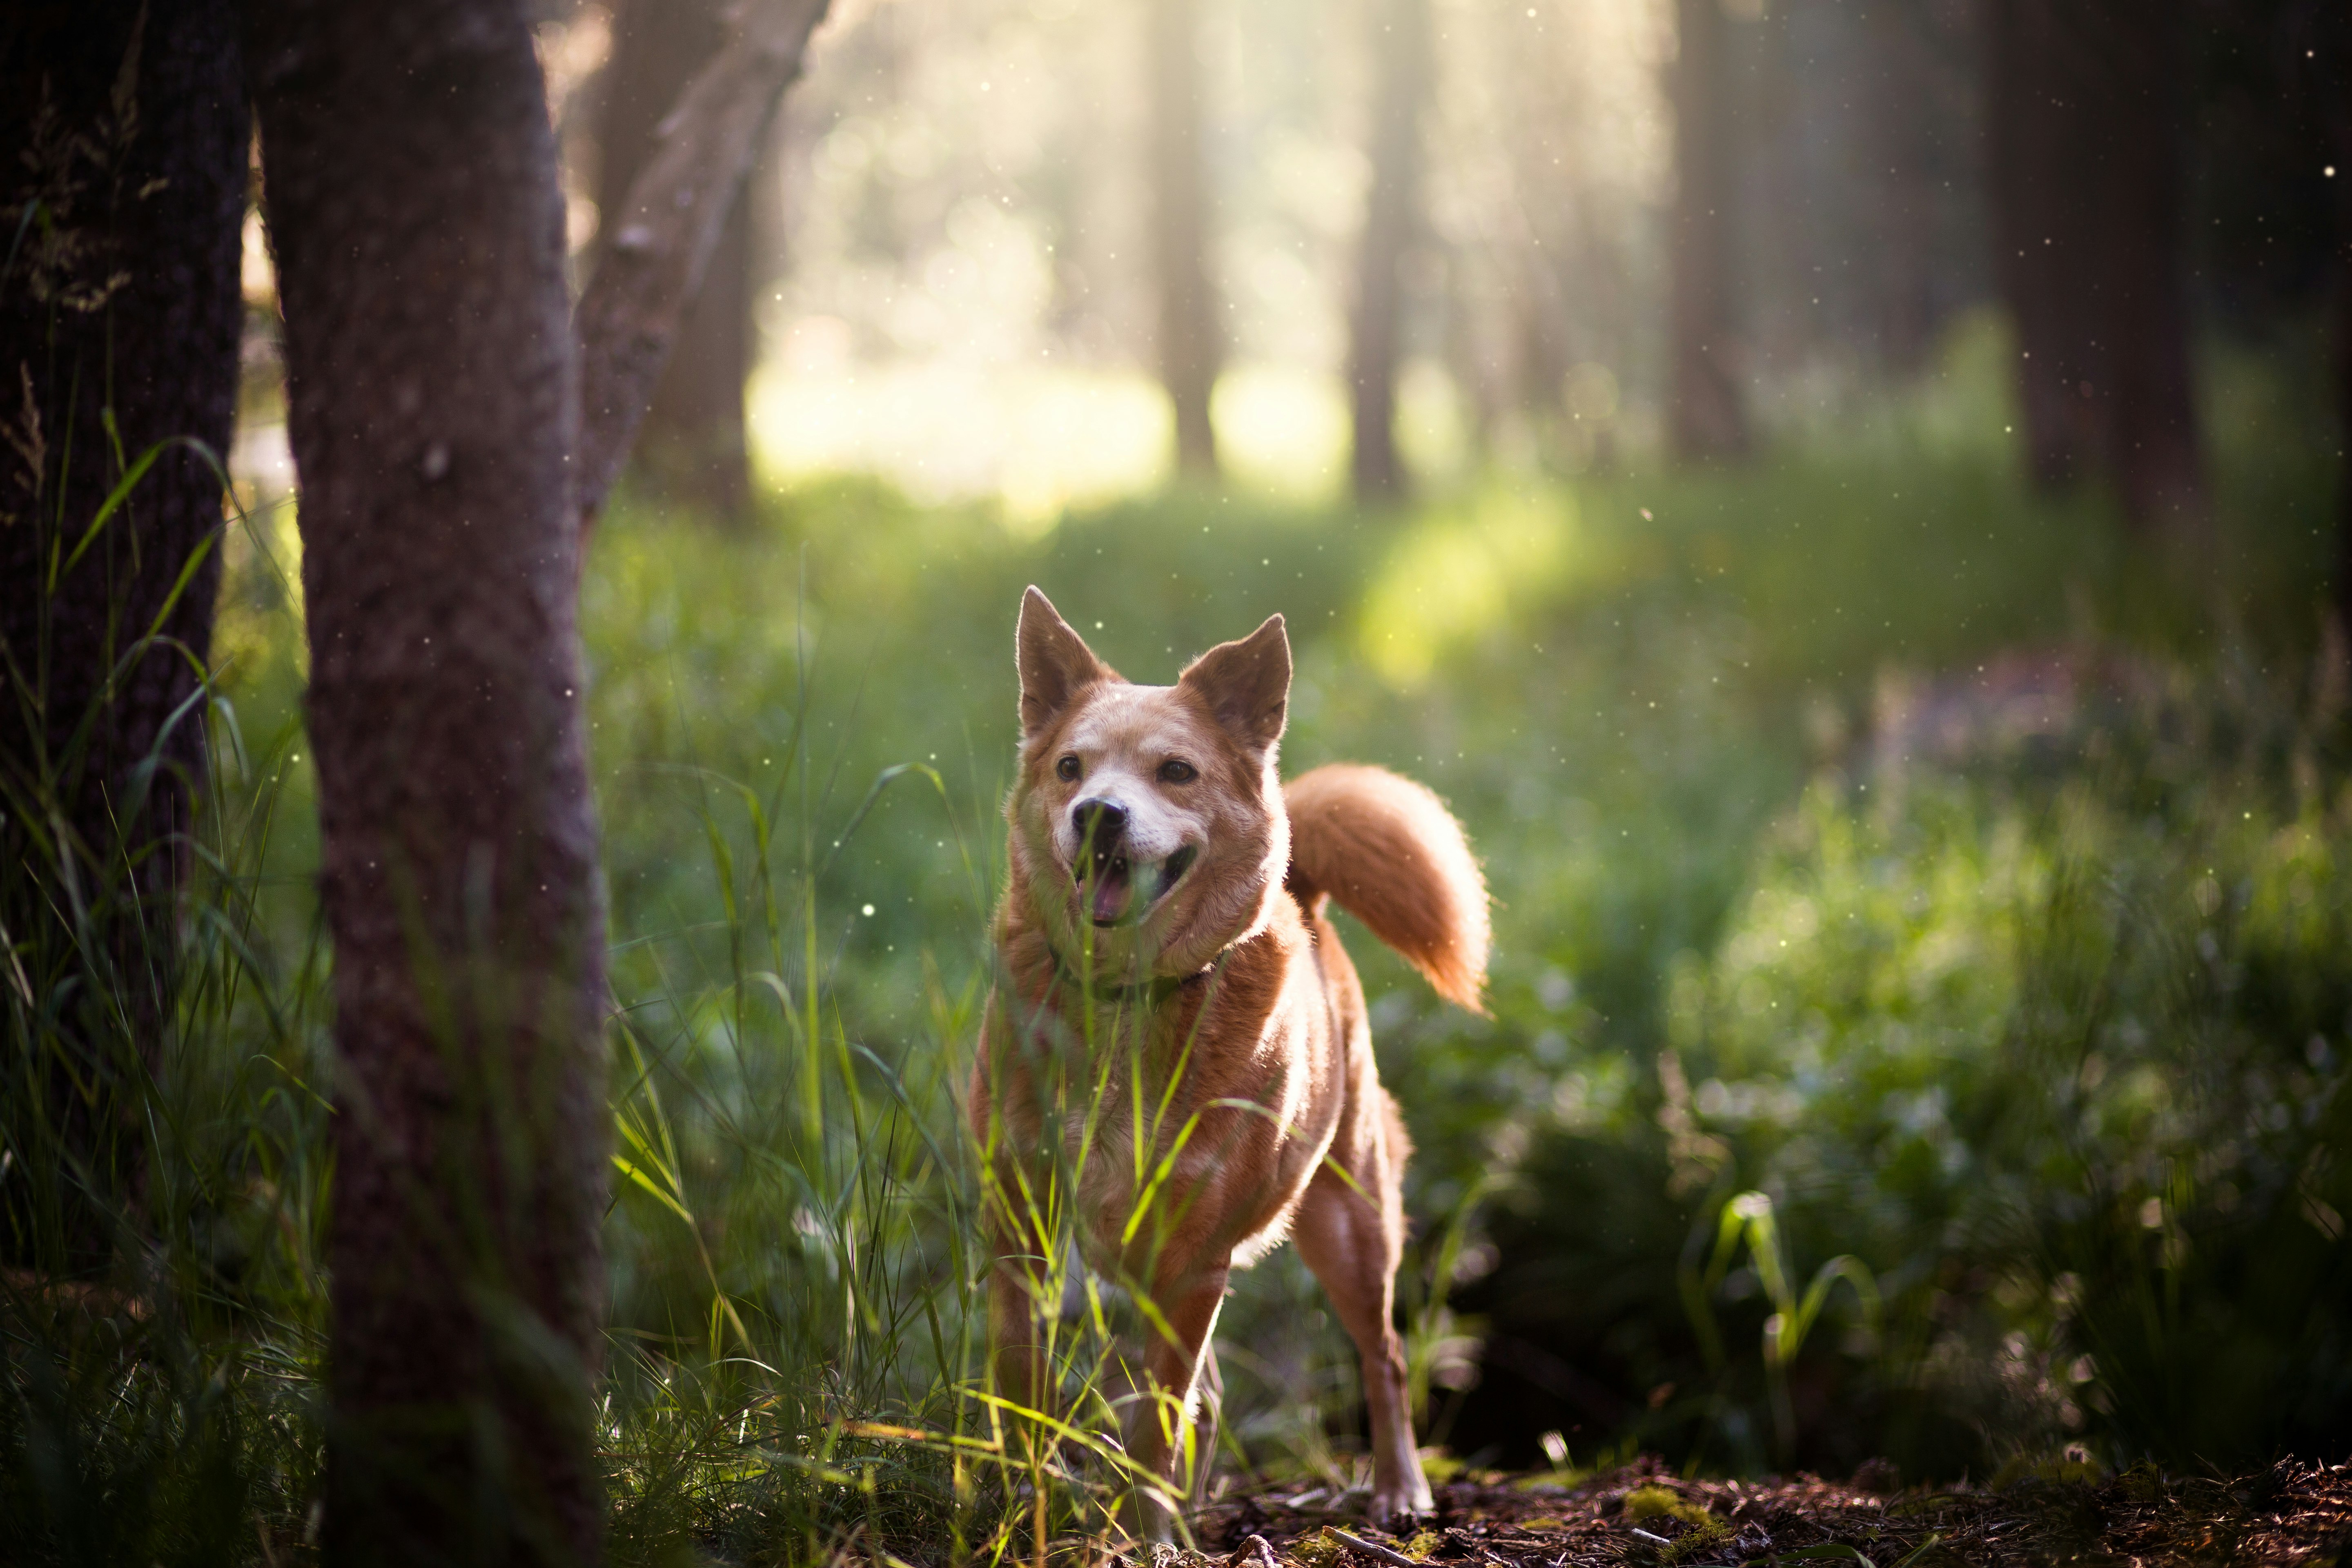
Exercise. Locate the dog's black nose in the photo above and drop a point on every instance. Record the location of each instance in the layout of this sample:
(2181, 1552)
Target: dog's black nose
(1099, 822)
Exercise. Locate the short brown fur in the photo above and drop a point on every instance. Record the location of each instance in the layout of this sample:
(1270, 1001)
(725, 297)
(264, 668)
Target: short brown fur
(1217, 986)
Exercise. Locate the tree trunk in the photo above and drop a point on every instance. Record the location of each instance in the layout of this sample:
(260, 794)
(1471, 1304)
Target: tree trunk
(648, 268)
(2087, 177)
(1705, 416)
(1191, 339)
(1402, 55)
(411, 186)
(692, 443)
(2341, 597)
(1900, 117)
(2335, 83)
(125, 127)
(2133, 114)
(2041, 234)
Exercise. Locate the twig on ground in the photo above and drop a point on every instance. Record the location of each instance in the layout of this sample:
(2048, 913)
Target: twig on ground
(1372, 1549)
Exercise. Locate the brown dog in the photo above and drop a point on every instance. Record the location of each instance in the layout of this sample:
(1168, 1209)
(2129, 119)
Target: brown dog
(1178, 1052)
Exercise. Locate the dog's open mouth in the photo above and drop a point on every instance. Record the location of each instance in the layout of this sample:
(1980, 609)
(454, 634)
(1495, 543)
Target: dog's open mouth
(1114, 881)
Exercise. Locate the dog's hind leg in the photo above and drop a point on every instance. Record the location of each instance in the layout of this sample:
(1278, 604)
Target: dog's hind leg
(1351, 1231)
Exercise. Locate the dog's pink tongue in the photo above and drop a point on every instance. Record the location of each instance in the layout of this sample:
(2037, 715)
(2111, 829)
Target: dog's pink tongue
(1111, 894)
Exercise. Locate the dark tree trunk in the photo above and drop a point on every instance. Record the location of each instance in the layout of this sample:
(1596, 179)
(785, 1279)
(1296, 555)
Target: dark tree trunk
(2136, 113)
(1900, 117)
(1191, 339)
(124, 127)
(2035, 171)
(2331, 81)
(2085, 105)
(411, 189)
(2341, 597)
(1403, 67)
(649, 269)
(1707, 417)
(692, 442)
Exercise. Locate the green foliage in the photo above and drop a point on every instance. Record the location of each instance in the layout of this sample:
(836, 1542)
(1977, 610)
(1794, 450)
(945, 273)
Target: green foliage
(2022, 1001)
(2062, 1058)
(163, 1162)
(1749, 1217)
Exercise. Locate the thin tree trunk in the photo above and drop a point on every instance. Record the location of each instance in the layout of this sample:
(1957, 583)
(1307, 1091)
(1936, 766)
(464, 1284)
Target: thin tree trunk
(2041, 233)
(692, 444)
(124, 128)
(2332, 79)
(648, 268)
(1899, 117)
(2145, 405)
(2084, 111)
(1707, 417)
(411, 185)
(1402, 55)
(1191, 339)
(2341, 597)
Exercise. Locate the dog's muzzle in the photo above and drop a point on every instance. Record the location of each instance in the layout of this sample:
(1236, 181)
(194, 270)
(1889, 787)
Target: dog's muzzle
(1105, 871)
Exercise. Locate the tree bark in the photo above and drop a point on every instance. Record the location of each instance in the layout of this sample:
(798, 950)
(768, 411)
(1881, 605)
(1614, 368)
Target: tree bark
(648, 266)
(2088, 178)
(2135, 113)
(2039, 231)
(1707, 417)
(2331, 82)
(411, 188)
(1191, 339)
(1403, 69)
(123, 127)
(692, 444)
(1899, 117)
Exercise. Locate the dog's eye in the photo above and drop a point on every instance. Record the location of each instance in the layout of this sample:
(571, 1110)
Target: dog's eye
(1069, 767)
(1176, 770)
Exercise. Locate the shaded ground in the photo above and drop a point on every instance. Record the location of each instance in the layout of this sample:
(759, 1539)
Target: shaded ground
(2292, 1513)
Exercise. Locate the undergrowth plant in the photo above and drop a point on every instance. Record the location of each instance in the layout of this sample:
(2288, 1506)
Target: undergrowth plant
(2048, 1037)
(2060, 1057)
(1749, 1217)
(161, 1136)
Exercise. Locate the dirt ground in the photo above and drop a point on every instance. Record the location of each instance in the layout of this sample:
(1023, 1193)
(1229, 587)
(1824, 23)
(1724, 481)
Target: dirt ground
(1643, 1515)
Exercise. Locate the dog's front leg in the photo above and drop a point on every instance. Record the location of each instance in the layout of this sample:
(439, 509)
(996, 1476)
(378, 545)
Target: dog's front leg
(1016, 1330)
(1160, 1421)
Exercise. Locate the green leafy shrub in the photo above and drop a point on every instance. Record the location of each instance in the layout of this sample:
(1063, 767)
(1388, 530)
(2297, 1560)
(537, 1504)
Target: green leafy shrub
(2058, 1053)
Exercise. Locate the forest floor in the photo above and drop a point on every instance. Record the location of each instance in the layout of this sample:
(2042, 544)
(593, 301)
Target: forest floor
(1643, 1515)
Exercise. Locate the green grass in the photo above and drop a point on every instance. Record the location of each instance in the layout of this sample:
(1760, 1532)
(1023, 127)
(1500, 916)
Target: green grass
(1651, 697)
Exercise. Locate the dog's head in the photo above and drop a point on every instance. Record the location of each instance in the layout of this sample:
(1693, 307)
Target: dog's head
(1149, 819)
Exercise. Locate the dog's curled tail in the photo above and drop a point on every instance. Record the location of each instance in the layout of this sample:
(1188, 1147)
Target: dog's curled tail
(1388, 852)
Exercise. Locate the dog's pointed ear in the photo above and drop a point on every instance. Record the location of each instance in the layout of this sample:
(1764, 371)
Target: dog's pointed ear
(1055, 663)
(1247, 684)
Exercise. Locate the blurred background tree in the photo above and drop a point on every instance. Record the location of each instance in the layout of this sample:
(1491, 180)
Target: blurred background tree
(1709, 417)
(693, 443)
(1191, 339)
(1400, 37)
(2089, 173)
